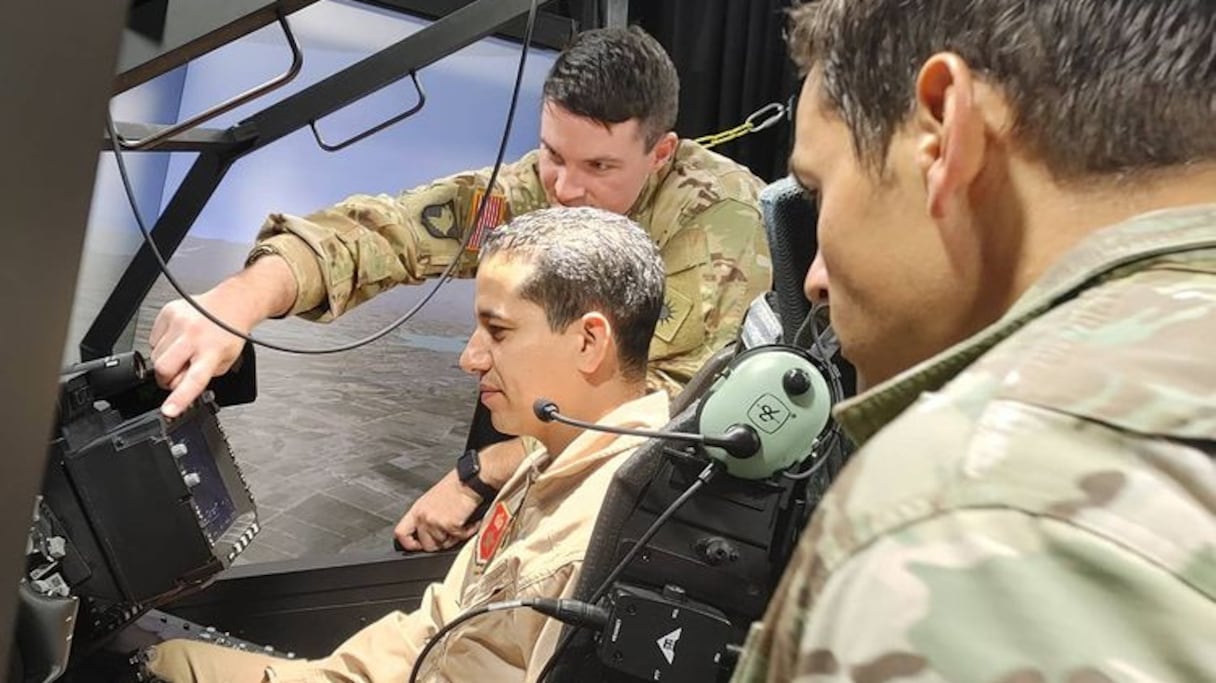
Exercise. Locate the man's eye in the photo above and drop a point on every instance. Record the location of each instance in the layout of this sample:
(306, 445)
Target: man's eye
(496, 332)
(600, 166)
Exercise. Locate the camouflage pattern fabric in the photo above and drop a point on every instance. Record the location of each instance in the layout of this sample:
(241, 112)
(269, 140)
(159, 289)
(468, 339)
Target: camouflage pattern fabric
(701, 208)
(1035, 504)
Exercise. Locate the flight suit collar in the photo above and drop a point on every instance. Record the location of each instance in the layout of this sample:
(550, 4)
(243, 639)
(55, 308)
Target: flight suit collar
(590, 447)
(541, 478)
(1105, 253)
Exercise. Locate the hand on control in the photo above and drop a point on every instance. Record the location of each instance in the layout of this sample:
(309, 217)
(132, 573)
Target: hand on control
(188, 350)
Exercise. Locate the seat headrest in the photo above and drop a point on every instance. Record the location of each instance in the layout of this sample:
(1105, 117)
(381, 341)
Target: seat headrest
(789, 220)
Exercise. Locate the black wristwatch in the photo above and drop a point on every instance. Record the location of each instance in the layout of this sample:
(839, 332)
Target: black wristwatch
(468, 469)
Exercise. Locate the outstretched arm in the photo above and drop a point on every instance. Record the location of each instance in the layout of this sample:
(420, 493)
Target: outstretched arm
(322, 265)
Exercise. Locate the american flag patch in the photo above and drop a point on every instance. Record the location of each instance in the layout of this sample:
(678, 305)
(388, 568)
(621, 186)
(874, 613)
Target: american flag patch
(492, 216)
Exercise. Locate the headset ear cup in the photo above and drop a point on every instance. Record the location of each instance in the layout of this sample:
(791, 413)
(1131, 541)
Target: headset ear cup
(783, 394)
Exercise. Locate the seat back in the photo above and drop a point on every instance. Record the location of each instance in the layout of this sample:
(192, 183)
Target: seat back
(725, 548)
(789, 221)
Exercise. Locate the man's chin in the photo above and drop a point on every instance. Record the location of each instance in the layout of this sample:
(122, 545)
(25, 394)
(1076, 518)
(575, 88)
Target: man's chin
(871, 374)
(850, 356)
(504, 425)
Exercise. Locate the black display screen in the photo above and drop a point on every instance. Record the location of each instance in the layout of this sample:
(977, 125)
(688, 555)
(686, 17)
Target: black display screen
(216, 510)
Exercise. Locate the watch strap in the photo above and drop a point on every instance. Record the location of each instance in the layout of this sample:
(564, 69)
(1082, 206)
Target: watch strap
(469, 475)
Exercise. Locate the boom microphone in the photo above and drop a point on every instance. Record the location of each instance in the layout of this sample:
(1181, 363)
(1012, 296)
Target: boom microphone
(739, 440)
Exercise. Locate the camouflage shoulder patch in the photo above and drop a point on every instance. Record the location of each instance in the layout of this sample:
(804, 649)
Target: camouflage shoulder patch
(493, 215)
(440, 220)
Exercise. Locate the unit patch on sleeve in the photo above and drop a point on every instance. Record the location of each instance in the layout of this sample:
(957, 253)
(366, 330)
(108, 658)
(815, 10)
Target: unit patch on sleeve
(440, 220)
(676, 309)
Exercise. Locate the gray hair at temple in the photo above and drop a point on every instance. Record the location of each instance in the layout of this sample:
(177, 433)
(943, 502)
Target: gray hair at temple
(588, 260)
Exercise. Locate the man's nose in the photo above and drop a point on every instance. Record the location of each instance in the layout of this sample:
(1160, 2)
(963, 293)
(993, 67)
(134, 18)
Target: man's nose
(567, 188)
(474, 359)
(816, 285)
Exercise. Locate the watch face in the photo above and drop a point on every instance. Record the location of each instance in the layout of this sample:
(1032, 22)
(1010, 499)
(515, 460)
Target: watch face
(468, 466)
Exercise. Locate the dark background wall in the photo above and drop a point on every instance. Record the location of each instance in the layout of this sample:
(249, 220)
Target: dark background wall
(732, 61)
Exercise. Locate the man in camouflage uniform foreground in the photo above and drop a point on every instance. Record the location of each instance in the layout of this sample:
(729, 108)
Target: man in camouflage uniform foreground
(1018, 215)
(610, 102)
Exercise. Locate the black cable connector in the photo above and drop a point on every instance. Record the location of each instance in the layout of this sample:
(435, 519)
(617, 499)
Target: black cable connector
(573, 612)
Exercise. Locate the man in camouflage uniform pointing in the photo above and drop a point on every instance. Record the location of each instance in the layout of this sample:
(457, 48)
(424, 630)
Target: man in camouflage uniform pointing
(610, 103)
(1018, 214)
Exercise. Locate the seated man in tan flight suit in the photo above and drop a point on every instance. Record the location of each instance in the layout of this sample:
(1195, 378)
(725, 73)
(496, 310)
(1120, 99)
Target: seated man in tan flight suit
(566, 303)
(610, 103)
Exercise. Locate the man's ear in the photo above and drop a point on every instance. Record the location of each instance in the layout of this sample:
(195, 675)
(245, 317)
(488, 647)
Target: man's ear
(663, 149)
(950, 131)
(595, 342)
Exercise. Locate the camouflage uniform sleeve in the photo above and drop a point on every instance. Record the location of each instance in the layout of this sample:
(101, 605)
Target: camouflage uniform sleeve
(346, 254)
(989, 595)
(716, 264)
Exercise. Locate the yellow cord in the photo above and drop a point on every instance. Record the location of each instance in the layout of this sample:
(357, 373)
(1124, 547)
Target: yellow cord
(727, 135)
(771, 114)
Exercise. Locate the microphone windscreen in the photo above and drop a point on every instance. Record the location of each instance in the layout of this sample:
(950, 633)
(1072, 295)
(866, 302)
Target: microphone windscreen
(544, 409)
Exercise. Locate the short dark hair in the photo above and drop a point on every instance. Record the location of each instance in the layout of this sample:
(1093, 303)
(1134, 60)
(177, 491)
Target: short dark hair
(1098, 87)
(612, 75)
(587, 260)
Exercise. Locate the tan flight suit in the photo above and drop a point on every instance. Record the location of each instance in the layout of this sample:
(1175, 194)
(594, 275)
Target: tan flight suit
(533, 547)
(701, 208)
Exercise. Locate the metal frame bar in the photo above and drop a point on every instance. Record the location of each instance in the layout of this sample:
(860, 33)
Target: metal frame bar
(47, 179)
(192, 29)
(293, 70)
(396, 118)
(551, 31)
(171, 228)
(193, 140)
(459, 29)
(616, 13)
